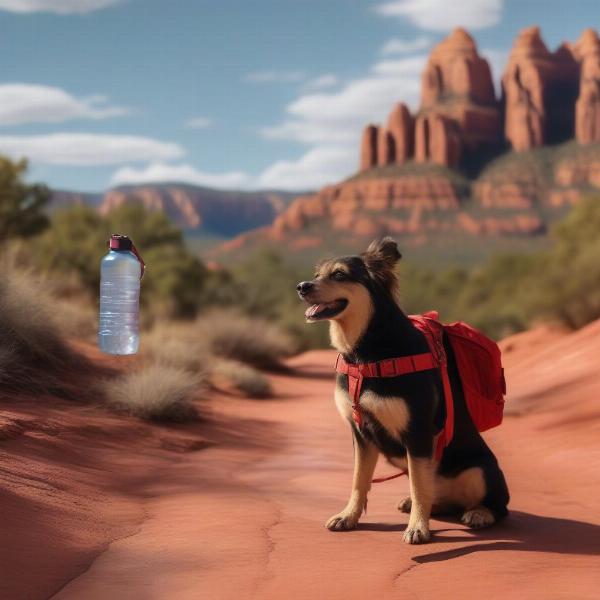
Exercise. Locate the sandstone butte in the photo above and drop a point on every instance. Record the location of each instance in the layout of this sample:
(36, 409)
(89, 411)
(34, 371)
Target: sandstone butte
(547, 98)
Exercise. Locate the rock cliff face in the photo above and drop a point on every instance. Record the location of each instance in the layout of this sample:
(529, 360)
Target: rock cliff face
(202, 210)
(539, 92)
(587, 111)
(401, 128)
(547, 98)
(368, 150)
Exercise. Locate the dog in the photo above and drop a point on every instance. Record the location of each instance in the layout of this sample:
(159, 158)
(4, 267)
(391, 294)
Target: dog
(403, 415)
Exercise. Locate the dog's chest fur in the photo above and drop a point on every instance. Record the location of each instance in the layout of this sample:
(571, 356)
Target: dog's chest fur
(390, 412)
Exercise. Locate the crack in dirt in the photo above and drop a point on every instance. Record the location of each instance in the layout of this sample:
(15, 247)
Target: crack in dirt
(403, 572)
(266, 530)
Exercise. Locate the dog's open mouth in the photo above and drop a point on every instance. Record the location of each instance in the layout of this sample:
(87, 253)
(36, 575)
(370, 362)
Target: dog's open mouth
(325, 310)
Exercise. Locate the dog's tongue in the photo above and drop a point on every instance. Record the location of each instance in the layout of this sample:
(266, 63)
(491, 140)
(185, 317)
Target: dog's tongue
(315, 309)
(311, 311)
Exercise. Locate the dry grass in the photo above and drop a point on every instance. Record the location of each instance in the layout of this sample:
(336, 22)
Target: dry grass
(157, 393)
(34, 357)
(246, 379)
(248, 340)
(175, 345)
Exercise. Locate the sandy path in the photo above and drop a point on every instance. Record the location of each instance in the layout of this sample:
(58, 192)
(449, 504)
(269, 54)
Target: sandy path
(244, 519)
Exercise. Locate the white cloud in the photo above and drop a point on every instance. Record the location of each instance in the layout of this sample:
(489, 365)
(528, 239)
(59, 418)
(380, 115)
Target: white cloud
(317, 167)
(398, 46)
(338, 117)
(88, 149)
(443, 15)
(159, 172)
(314, 168)
(199, 123)
(61, 7)
(26, 103)
(275, 77)
(331, 123)
(323, 81)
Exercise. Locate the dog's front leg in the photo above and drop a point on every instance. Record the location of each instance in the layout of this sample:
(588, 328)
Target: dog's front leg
(421, 477)
(365, 459)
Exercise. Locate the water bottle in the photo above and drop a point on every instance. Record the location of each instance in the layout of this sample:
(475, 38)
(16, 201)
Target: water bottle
(120, 273)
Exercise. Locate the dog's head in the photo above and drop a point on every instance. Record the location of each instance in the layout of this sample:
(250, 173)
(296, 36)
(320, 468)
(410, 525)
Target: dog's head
(346, 289)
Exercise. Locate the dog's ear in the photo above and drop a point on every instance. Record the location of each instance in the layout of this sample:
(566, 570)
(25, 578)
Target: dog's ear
(382, 253)
(380, 259)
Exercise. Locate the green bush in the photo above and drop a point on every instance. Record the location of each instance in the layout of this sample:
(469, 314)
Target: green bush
(21, 204)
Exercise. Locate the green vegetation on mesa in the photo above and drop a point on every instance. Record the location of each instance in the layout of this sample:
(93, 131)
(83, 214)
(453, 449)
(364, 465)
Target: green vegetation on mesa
(504, 294)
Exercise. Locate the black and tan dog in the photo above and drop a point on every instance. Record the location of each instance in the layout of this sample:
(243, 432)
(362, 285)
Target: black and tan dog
(402, 415)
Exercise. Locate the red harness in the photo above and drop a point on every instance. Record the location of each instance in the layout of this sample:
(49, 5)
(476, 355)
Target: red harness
(395, 367)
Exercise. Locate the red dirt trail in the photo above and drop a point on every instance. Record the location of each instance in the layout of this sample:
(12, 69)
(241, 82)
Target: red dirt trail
(96, 507)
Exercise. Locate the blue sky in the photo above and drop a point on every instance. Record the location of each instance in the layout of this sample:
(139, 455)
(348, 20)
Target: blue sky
(228, 93)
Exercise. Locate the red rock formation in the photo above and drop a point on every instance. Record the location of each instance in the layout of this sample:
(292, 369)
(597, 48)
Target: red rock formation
(587, 110)
(455, 69)
(344, 206)
(437, 139)
(386, 147)
(539, 89)
(401, 126)
(368, 149)
(459, 112)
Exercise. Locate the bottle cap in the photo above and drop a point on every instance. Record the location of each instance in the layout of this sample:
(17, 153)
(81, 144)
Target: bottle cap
(120, 242)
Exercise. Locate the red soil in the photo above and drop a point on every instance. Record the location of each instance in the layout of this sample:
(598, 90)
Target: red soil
(94, 506)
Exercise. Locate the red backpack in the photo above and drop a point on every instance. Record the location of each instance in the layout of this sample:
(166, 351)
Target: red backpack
(478, 362)
(479, 365)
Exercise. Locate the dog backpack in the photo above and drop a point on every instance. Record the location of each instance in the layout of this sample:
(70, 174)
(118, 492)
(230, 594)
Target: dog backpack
(479, 365)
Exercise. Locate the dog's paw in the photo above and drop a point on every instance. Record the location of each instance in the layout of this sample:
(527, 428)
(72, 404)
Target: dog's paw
(342, 522)
(405, 504)
(416, 535)
(478, 517)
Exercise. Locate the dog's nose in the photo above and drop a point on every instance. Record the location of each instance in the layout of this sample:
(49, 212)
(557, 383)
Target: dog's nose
(304, 287)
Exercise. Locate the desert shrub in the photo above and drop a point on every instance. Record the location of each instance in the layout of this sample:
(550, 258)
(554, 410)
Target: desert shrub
(156, 393)
(244, 378)
(34, 357)
(176, 345)
(21, 203)
(250, 340)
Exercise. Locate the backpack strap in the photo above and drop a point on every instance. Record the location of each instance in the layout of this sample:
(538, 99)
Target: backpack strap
(433, 331)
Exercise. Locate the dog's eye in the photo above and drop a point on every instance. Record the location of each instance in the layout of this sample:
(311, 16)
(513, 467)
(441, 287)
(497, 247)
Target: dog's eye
(339, 276)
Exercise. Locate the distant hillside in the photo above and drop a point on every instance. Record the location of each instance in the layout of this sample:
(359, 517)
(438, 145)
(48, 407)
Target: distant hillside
(64, 199)
(200, 212)
(438, 216)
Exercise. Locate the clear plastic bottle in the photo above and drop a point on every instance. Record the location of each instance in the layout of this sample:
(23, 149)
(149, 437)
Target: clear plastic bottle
(120, 274)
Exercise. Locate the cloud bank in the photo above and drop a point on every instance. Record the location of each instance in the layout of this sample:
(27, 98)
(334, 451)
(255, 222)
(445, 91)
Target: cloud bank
(22, 103)
(60, 7)
(88, 149)
(444, 15)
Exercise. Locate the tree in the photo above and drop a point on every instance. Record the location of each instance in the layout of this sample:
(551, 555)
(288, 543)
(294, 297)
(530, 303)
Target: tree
(21, 204)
